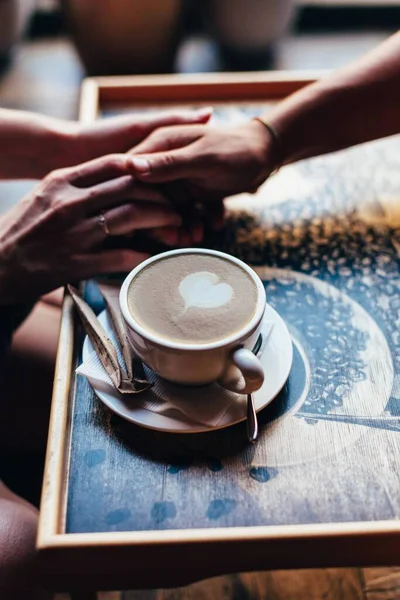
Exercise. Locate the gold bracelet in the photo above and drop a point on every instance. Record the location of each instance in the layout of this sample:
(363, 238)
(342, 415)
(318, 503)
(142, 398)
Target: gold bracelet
(276, 140)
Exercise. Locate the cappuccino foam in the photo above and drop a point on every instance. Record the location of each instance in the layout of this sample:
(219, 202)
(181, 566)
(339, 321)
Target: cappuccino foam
(192, 298)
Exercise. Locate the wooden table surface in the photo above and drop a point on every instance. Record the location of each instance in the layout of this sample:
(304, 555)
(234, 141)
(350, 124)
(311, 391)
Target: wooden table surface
(324, 238)
(328, 448)
(372, 584)
(327, 234)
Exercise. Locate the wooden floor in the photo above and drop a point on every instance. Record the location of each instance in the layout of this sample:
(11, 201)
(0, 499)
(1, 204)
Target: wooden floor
(45, 77)
(328, 584)
(348, 3)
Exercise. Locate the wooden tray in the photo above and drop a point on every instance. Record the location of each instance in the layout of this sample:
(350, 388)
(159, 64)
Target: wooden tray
(124, 507)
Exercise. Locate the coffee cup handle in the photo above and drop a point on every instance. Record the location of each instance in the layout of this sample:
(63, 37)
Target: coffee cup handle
(245, 375)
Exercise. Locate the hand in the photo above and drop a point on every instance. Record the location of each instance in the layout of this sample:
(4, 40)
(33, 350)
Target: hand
(119, 134)
(32, 145)
(56, 233)
(208, 163)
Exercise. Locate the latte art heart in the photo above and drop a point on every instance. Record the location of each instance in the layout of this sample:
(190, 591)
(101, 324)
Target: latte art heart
(192, 298)
(204, 290)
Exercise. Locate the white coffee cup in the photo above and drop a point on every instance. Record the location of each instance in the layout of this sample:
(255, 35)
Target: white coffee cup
(229, 361)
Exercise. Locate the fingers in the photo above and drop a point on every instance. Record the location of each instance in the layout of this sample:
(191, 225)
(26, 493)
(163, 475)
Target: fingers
(181, 199)
(100, 170)
(152, 122)
(163, 167)
(214, 213)
(168, 138)
(123, 221)
(128, 218)
(171, 236)
(110, 261)
(165, 235)
(120, 133)
(114, 192)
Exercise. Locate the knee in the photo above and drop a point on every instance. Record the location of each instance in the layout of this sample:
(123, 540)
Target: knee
(18, 525)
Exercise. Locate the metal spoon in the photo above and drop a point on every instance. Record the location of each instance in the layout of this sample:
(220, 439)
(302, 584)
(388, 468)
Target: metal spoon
(251, 417)
(251, 420)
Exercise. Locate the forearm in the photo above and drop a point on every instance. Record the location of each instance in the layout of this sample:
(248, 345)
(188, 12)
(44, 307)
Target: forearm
(353, 105)
(32, 145)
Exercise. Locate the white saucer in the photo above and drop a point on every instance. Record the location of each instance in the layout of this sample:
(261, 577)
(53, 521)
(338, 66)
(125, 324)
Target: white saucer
(276, 358)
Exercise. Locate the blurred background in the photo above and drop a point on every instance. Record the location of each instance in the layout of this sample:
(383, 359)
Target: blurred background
(47, 46)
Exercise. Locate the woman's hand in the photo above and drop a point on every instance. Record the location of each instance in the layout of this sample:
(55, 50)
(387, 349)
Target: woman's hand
(119, 134)
(55, 234)
(32, 145)
(208, 163)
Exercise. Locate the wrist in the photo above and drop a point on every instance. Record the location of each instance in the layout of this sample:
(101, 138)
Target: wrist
(56, 145)
(307, 122)
(267, 150)
(64, 147)
(33, 145)
(277, 151)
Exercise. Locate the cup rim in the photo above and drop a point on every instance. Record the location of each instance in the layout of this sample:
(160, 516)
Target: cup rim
(163, 342)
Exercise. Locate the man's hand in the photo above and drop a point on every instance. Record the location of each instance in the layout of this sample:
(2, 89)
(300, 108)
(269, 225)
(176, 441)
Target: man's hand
(207, 163)
(56, 234)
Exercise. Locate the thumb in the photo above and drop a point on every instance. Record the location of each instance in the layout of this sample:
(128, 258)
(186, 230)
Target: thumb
(164, 166)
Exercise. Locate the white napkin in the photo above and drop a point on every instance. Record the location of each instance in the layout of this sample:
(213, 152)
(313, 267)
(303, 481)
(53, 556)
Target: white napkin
(206, 405)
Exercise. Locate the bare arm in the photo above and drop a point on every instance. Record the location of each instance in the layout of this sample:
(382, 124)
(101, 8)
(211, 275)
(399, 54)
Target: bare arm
(353, 105)
(32, 145)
